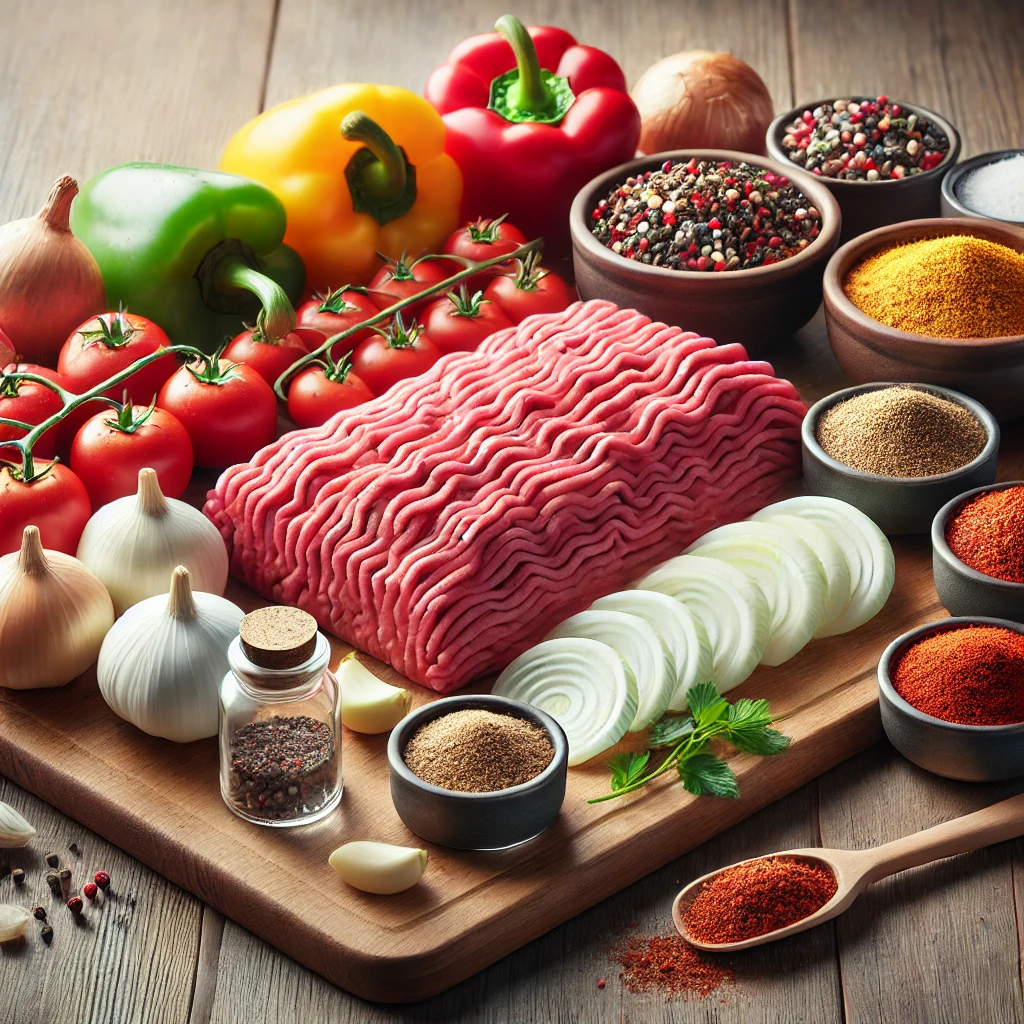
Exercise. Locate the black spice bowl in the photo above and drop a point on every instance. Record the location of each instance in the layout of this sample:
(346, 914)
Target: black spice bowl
(973, 753)
(961, 589)
(477, 821)
(897, 504)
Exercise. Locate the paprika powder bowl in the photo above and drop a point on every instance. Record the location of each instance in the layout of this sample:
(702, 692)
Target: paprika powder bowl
(990, 370)
(753, 307)
(972, 753)
(961, 589)
(867, 205)
(897, 504)
(477, 821)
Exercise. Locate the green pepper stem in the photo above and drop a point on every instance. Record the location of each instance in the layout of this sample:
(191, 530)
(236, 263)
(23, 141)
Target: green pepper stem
(278, 315)
(530, 92)
(384, 178)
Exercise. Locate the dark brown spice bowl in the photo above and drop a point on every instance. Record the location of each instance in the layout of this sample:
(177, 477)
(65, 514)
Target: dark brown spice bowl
(951, 204)
(867, 205)
(973, 753)
(753, 307)
(990, 370)
(477, 821)
(961, 589)
(897, 504)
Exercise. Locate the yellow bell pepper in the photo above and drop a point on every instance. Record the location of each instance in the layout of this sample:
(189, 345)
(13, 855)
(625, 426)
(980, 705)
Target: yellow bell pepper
(360, 169)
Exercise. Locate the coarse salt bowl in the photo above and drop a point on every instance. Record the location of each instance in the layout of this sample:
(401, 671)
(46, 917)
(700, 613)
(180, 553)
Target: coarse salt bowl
(963, 590)
(867, 205)
(897, 504)
(953, 205)
(990, 370)
(972, 753)
(477, 821)
(753, 307)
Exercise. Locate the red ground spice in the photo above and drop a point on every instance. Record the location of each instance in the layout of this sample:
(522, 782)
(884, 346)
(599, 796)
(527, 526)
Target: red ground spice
(758, 897)
(987, 534)
(973, 675)
(669, 964)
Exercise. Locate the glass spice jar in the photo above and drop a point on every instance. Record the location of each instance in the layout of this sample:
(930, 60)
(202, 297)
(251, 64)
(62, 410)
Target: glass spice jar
(280, 721)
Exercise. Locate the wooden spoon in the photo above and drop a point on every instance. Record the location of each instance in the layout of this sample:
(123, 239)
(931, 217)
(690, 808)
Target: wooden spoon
(855, 870)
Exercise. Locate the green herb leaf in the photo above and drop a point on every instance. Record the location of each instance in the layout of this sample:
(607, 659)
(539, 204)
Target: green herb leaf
(707, 774)
(706, 704)
(749, 714)
(627, 768)
(759, 741)
(670, 730)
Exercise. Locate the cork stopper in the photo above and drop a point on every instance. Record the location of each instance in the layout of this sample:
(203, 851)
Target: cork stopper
(278, 637)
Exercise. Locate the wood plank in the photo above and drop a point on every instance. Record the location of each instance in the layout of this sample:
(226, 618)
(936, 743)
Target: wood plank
(129, 959)
(82, 89)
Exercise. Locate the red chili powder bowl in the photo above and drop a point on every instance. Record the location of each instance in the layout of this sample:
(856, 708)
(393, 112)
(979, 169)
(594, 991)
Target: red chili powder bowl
(987, 534)
(970, 675)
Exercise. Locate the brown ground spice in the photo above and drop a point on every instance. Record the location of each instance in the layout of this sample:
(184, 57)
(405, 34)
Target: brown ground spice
(669, 964)
(477, 751)
(901, 431)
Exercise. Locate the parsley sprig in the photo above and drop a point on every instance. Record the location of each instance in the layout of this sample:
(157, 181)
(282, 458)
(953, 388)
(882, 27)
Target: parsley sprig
(745, 724)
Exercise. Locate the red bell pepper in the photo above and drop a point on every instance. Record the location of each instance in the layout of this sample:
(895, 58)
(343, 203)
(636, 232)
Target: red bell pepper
(530, 117)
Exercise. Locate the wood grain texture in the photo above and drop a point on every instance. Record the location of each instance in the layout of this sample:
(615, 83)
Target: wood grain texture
(130, 958)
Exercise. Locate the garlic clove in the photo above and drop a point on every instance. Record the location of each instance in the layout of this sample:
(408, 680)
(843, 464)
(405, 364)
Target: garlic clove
(379, 868)
(13, 921)
(15, 831)
(368, 704)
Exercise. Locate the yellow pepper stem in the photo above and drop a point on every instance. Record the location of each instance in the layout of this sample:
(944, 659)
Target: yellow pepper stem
(381, 180)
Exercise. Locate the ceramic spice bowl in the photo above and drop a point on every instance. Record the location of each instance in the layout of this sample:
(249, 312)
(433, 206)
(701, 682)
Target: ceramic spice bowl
(867, 205)
(973, 753)
(477, 821)
(897, 504)
(963, 590)
(952, 205)
(753, 307)
(990, 370)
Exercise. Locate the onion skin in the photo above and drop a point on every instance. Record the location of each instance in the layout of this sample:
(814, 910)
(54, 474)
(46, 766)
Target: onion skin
(702, 100)
(49, 281)
(7, 352)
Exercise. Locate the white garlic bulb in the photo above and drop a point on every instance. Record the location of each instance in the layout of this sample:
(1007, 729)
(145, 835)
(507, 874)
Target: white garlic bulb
(13, 921)
(379, 867)
(162, 663)
(134, 543)
(15, 831)
(54, 614)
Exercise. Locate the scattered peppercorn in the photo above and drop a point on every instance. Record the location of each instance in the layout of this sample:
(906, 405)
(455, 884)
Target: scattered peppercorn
(987, 533)
(75, 904)
(864, 140)
(46, 933)
(53, 860)
(706, 215)
(89, 890)
(18, 876)
(757, 897)
(65, 881)
(53, 881)
(669, 964)
(73, 847)
(39, 913)
(601, 983)
(102, 879)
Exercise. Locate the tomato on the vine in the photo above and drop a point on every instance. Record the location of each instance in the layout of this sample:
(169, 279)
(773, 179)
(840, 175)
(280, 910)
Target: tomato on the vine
(114, 445)
(228, 410)
(393, 354)
(531, 289)
(482, 240)
(54, 500)
(459, 322)
(31, 403)
(321, 390)
(338, 311)
(400, 279)
(270, 358)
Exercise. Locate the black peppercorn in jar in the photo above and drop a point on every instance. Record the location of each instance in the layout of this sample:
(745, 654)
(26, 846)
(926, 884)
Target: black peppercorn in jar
(280, 736)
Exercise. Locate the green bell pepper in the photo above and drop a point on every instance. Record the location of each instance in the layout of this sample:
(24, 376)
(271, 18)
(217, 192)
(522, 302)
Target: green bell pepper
(198, 252)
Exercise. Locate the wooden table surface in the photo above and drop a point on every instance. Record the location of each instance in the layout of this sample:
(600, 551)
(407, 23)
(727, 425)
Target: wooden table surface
(85, 86)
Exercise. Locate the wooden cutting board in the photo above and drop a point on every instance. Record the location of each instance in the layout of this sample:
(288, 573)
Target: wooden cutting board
(160, 802)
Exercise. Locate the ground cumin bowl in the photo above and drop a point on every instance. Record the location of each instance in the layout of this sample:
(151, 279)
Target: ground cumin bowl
(867, 205)
(477, 821)
(990, 370)
(963, 590)
(898, 505)
(972, 753)
(753, 307)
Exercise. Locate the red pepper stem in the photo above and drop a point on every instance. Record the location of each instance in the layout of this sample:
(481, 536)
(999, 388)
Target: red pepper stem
(384, 178)
(279, 317)
(530, 93)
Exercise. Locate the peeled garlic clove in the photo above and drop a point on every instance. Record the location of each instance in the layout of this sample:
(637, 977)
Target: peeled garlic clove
(379, 867)
(368, 704)
(12, 921)
(15, 831)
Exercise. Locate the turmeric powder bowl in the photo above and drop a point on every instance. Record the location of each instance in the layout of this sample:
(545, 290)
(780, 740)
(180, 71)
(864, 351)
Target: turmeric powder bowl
(988, 369)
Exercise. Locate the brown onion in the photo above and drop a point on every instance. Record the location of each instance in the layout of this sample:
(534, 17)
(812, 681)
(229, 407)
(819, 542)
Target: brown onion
(702, 100)
(49, 281)
(7, 352)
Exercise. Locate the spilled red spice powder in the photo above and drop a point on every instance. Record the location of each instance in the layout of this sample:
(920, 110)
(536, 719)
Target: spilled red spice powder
(757, 897)
(973, 675)
(987, 534)
(669, 964)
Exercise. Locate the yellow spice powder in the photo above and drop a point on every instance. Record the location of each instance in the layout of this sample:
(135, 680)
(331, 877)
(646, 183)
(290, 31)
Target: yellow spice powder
(957, 286)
